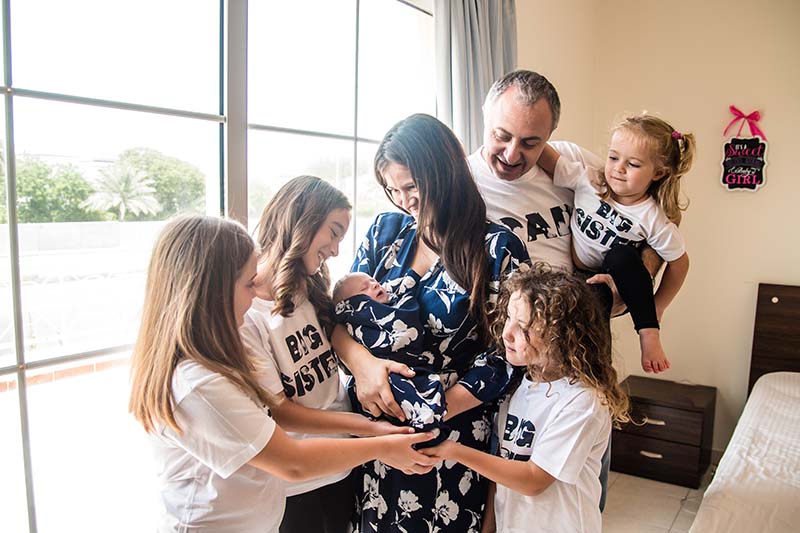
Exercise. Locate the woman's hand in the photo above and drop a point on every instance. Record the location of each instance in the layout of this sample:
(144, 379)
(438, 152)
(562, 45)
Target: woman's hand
(373, 390)
(371, 375)
(399, 453)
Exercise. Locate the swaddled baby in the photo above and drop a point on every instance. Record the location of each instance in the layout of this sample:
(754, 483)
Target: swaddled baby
(390, 327)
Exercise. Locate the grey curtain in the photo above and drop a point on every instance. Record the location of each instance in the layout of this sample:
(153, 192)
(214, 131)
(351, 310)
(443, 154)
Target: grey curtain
(476, 43)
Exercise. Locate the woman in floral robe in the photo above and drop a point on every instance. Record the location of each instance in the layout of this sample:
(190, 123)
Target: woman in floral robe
(443, 249)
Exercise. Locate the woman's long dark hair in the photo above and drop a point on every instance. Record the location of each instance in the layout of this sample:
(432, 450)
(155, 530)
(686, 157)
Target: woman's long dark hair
(452, 213)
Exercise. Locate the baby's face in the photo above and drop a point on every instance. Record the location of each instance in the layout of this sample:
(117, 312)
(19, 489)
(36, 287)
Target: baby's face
(361, 283)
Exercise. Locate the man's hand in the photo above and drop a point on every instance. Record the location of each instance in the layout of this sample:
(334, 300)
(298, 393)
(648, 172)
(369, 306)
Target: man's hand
(618, 306)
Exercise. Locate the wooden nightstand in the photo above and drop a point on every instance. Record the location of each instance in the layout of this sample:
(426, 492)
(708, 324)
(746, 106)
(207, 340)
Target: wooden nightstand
(671, 438)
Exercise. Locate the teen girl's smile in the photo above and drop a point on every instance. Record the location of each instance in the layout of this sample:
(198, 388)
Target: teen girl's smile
(402, 188)
(325, 243)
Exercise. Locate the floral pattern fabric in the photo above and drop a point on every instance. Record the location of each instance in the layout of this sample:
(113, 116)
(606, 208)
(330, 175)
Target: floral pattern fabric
(451, 497)
(394, 331)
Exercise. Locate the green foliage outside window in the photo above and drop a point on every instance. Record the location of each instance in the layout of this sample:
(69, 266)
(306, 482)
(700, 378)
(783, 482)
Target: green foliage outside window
(142, 184)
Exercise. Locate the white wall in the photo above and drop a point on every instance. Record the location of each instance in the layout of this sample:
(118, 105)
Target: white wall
(687, 61)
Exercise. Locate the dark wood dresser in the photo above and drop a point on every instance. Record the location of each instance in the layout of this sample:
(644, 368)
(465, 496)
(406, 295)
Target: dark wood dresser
(670, 439)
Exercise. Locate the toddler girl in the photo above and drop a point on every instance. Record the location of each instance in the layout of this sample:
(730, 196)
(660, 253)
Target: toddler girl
(555, 426)
(634, 200)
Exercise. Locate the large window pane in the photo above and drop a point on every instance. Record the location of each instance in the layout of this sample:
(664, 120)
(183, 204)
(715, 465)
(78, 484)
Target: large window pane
(370, 198)
(7, 347)
(396, 66)
(275, 158)
(148, 51)
(93, 187)
(301, 59)
(12, 489)
(92, 466)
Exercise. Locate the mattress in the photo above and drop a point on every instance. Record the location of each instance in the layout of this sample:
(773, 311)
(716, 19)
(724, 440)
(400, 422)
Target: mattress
(756, 487)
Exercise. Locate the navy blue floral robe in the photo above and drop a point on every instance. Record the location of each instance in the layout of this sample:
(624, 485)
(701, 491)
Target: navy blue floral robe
(451, 497)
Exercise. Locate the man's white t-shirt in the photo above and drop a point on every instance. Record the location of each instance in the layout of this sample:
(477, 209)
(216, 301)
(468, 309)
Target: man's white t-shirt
(296, 359)
(564, 429)
(206, 483)
(536, 210)
(598, 225)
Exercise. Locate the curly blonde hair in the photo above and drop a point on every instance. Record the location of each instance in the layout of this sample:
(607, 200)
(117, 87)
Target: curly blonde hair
(674, 153)
(575, 333)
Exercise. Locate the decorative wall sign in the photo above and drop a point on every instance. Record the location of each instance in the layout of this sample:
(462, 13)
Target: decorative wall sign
(743, 158)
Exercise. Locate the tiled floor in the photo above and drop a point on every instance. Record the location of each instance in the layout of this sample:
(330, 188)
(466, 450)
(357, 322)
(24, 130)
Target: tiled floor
(639, 505)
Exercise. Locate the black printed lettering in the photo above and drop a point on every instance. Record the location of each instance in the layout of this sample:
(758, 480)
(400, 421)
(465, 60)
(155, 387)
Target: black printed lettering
(525, 435)
(511, 424)
(561, 215)
(315, 339)
(288, 389)
(537, 226)
(294, 348)
(512, 223)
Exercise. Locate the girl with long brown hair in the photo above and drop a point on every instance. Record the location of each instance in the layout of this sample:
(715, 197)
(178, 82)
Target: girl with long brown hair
(443, 250)
(220, 456)
(287, 329)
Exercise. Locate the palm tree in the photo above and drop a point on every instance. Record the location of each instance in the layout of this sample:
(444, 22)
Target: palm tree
(124, 188)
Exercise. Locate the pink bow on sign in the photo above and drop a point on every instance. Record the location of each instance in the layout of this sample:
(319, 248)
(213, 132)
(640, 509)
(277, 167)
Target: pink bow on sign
(751, 119)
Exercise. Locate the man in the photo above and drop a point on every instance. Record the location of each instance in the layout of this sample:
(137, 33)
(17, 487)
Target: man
(520, 113)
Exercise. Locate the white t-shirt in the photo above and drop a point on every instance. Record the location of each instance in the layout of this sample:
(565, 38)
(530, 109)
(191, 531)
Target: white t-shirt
(531, 206)
(206, 483)
(564, 430)
(598, 224)
(296, 359)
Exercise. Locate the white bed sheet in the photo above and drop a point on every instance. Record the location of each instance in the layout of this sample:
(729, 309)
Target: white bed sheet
(756, 488)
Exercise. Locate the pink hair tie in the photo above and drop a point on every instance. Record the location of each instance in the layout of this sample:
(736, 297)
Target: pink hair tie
(677, 135)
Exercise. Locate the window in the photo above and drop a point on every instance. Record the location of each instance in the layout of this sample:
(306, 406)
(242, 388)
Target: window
(116, 126)
(309, 113)
(117, 123)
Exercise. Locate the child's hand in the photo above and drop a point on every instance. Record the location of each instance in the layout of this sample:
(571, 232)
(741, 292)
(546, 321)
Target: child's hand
(399, 453)
(441, 452)
(379, 428)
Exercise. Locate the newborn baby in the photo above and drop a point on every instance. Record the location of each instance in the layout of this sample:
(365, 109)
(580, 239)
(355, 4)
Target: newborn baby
(359, 283)
(390, 327)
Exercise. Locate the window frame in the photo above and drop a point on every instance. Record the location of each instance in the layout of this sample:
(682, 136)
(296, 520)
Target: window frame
(233, 132)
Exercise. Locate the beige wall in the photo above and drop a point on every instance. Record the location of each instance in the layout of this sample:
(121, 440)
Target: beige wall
(687, 61)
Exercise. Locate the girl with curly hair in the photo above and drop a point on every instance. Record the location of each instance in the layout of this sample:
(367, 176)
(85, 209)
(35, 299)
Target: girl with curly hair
(554, 427)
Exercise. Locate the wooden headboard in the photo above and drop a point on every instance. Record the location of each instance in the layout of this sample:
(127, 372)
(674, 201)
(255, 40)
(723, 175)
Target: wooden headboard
(776, 334)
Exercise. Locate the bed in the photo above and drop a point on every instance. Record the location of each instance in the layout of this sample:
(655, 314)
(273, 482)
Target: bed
(756, 487)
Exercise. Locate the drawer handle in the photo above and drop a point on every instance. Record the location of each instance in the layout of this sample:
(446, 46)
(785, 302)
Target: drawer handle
(651, 455)
(654, 422)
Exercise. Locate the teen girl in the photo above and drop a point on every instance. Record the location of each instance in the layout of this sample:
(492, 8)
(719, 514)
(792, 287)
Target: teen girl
(287, 329)
(195, 391)
(554, 428)
(635, 200)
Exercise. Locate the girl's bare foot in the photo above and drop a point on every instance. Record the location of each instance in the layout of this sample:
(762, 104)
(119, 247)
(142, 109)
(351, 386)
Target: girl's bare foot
(653, 357)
